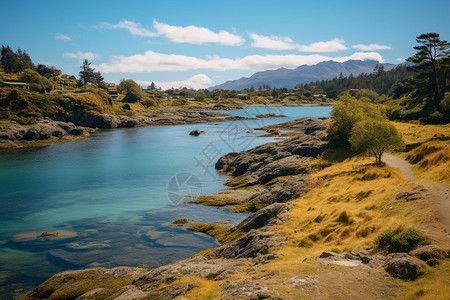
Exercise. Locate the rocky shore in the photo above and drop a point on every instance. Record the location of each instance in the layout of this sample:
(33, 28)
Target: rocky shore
(67, 128)
(265, 179)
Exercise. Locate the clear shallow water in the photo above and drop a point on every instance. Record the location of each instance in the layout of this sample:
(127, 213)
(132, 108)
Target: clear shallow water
(118, 188)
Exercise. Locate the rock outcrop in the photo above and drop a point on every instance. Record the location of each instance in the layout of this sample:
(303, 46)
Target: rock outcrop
(45, 129)
(403, 266)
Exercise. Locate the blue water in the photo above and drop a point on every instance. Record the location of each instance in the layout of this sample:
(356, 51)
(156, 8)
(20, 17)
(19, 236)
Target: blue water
(112, 188)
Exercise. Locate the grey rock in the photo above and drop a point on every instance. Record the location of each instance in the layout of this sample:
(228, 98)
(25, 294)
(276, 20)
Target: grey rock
(247, 246)
(263, 217)
(402, 266)
(211, 269)
(78, 131)
(408, 196)
(327, 254)
(431, 251)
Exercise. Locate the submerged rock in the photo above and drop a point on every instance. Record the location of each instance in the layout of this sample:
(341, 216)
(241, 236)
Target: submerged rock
(195, 132)
(36, 236)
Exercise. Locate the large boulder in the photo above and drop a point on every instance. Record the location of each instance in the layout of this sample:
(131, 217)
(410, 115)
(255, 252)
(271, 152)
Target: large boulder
(403, 266)
(12, 131)
(247, 246)
(212, 269)
(99, 120)
(428, 252)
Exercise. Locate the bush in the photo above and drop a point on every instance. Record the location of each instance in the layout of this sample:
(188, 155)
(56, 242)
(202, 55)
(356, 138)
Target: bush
(400, 240)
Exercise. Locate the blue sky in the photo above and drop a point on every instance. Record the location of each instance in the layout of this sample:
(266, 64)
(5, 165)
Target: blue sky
(204, 43)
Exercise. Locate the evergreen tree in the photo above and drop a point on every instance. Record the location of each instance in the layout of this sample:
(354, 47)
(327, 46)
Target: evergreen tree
(432, 63)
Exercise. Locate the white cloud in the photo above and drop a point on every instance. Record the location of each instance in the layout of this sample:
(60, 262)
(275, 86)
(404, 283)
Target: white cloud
(152, 61)
(330, 46)
(63, 37)
(133, 28)
(82, 55)
(272, 42)
(371, 47)
(286, 43)
(196, 35)
(177, 34)
(199, 81)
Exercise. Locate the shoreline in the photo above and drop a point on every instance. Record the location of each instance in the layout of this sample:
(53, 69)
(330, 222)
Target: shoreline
(12, 134)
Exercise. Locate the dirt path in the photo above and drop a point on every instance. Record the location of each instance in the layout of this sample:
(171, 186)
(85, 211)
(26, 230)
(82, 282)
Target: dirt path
(398, 163)
(438, 194)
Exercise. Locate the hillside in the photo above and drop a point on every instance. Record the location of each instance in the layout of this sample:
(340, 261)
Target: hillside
(289, 78)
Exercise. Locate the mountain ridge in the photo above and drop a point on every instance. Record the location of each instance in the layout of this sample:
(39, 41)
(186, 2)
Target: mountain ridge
(289, 78)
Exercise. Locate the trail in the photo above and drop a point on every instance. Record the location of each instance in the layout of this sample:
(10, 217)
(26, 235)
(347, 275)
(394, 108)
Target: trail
(398, 163)
(438, 194)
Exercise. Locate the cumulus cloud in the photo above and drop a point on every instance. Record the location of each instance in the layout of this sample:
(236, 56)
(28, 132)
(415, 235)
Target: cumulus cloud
(199, 81)
(196, 35)
(177, 34)
(153, 61)
(272, 42)
(134, 28)
(63, 37)
(371, 47)
(330, 46)
(82, 55)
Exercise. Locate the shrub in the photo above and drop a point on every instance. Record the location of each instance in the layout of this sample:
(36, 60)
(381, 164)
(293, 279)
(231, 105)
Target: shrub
(400, 240)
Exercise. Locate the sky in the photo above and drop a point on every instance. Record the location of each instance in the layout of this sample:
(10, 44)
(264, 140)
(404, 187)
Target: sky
(198, 44)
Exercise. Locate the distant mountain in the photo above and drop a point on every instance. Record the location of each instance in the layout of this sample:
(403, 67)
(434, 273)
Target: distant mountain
(289, 78)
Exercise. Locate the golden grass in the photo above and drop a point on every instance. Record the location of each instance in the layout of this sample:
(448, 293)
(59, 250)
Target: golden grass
(416, 133)
(348, 212)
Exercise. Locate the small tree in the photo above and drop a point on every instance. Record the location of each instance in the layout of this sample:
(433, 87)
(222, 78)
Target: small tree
(133, 92)
(375, 137)
(152, 86)
(346, 113)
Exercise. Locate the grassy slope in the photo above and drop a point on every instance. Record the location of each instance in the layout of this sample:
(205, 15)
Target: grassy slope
(367, 196)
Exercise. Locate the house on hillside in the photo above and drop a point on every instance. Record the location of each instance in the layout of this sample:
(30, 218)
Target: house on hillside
(111, 86)
(243, 96)
(66, 77)
(21, 85)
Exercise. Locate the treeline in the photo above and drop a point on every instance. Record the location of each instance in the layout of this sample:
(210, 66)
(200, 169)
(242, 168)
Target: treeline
(15, 62)
(382, 82)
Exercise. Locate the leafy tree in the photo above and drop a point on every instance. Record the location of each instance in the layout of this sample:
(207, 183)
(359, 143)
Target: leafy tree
(372, 95)
(31, 76)
(375, 137)
(48, 71)
(133, 92)
(432, 63)
(346, 113)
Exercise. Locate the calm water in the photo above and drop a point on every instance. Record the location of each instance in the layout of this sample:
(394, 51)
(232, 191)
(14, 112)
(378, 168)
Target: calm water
(114, 194)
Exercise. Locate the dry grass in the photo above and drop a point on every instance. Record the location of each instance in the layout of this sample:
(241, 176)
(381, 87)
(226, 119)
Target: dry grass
(415, 133)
